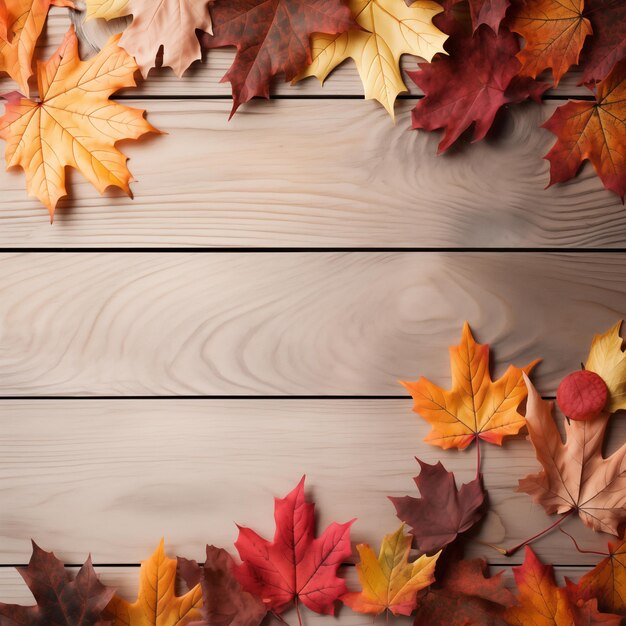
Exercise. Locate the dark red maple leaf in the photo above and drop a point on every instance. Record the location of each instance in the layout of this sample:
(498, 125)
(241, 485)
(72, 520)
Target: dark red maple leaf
(488, 12)
(60, 600)
(296, 566)
(607, 46)
(471, 84)
(443, 511)
(465, 595)
(271, 37)
(224, 602)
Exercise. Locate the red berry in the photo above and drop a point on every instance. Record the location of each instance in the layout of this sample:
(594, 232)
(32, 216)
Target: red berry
(582, 395)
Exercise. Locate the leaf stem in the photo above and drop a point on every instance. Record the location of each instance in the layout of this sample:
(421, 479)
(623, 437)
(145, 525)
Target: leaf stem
(514, 549)
(580, 549)
(477, 457)
(298, 612)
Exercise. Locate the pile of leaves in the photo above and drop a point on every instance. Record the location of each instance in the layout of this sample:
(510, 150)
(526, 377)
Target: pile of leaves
(481, 55)
(421, 572)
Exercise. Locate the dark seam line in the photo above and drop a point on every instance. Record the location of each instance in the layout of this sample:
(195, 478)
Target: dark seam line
(308, 250)
(218, 397)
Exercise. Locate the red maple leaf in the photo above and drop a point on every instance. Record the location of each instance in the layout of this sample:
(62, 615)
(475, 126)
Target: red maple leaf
(60, 600)
(594, 131)
(443, 512)
(471, 84)
(296, 566)
(607, 46)
(488, 12)
(271, 37)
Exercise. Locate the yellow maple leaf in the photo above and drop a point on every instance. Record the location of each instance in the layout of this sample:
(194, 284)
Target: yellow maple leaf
(476, 406)
(390, 582)
(74, 124)
(107, 9)
(391, 29)
(608, 359)
(157, 603)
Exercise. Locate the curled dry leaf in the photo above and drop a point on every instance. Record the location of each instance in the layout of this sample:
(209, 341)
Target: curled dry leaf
(60, 600)
(157, 588)
(554, 32)
(167, 24)
(476, 406)
(389, 582)
(271, 37)
(575, 475)
(594, 131)
(224, 602)
(74, 124)
(442, 512)
(297, 566)
(389, 30)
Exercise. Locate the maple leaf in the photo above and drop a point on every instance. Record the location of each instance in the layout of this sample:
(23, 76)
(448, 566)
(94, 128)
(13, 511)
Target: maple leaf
(554, 32)
(224, 602)
(465, 595)
(607, 359)
(469, 86)
(60, 600)
(542, 603)
(606, 582)
(594, 131)
(476, 407)
(157, 590)
(390, 29)
(107, 9)
(21, 23)
(487, 12)
(575, 476)
(608, 44)
(169, 25)
(390, 582)
(271, 37)
(296, 566)
(74, 116)
(443, 511)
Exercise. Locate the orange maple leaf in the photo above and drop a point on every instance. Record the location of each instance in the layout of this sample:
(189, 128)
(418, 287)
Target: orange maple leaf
(476, 406)
(554, 32)
(157, 603)
(594, 131)
(575, 475)
(74, 124)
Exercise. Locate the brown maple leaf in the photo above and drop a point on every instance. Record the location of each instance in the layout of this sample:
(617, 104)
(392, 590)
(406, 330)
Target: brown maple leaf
(575, 476)
(60, 600)
(594, 131)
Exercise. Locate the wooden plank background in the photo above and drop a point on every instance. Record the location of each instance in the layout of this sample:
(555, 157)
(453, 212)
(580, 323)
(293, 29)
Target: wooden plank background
(170, 364)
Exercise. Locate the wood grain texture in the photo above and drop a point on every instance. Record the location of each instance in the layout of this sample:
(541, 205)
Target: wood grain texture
(292, 323)
(274, 177)
(12, 589)
(112, 477)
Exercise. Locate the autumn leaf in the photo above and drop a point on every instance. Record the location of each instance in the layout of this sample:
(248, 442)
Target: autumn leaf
(169, 25)
(297, 566)
(389, 581)
(271, 37)
(443, 511)
(606, 581)
(469, 86)
(607, 46)
(542, 603)
(575, 476)
(224, 602)
(475, 407)
(107, 9)
(60, 600)
(594, 131)
(488, 12)
(465, 595)
(554, 32)
(74, 116)
(157, 589)
(390, 29)
(607, 359)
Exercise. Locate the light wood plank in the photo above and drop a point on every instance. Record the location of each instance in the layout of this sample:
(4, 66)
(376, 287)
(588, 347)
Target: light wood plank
(290, 324)
(13, 590)
(315, 174)
(112, 477)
